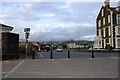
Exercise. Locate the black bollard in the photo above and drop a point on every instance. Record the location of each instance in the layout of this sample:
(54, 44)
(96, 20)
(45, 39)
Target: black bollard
(92, 54)
(68, 54)
(51, 55)
(33, 56)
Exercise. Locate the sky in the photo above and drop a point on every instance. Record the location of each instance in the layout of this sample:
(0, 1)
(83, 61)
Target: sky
(52, 21)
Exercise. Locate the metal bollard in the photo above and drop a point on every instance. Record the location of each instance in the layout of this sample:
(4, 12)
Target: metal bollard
(51, 55)
(33, 56)
(93, 54)
(68, 54)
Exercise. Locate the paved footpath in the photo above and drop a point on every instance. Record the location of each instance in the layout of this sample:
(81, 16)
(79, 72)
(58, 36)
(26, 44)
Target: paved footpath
(64, 68)
(8, 65)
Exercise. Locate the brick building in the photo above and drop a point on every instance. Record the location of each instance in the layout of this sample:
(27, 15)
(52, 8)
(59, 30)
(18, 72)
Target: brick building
(9, 42)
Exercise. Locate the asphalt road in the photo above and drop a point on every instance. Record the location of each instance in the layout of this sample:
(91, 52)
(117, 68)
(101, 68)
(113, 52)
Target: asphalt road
(73, 54)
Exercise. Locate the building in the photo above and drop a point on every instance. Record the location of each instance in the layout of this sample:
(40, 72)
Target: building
(76, 44)
(35, 45)
(72, 44)
(9, 42)
(108, 27)
(5, 28)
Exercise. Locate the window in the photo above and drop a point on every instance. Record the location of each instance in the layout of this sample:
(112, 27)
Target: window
(99, 23)
(118, 19)
(118, 30)
(104, 32)
(109, 40)
(109, 31)
(118, 43)
(108, 18)
(102, 12)
(99, 32)
(103, 21)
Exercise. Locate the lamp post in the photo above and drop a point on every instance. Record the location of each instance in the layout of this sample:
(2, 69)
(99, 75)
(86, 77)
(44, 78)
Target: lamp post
(27, 33)
(79, 39)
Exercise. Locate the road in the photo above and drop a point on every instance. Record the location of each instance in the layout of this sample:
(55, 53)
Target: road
(73, 54)
(80, 65)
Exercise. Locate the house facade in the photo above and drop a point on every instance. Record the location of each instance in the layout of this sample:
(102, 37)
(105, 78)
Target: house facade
(72, 44)
(108, 27)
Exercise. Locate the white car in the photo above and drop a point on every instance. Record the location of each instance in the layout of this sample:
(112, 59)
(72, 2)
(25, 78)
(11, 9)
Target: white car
(59, 50)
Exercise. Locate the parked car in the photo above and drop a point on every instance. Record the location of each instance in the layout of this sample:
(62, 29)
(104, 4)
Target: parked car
(59, 50)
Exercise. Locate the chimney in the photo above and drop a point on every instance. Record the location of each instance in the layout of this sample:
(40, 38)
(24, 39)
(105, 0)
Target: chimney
(119, 4)
(107, 3)
(118, 8)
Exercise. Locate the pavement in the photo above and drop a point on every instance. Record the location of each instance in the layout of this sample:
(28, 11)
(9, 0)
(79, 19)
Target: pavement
(8, 65)
(62, 68)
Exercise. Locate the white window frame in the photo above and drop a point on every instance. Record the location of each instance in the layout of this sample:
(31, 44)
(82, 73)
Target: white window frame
(99, 23)
(117, 30)
(99, 32)
(118, 19)
(109, 18)
(102, 12)
(104, 43)
(109, 30)
(104, 32)
(103, 21)
(117, 46)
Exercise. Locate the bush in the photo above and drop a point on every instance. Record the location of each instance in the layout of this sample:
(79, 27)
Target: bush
(22, 49)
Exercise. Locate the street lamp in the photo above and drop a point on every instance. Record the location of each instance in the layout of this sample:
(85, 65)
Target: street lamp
(27, 33)
(79, 39)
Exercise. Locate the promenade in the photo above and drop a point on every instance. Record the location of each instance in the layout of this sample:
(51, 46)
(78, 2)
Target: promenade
(62, 68)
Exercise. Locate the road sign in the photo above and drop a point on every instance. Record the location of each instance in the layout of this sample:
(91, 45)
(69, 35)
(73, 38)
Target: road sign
(27, 30)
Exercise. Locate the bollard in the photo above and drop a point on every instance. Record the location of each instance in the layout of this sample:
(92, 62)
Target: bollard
(51, 55)
(92, 54)
(68, 54)
(33, 56)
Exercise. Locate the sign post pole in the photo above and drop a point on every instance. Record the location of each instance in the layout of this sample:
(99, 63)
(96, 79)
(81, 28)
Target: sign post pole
(27, 33)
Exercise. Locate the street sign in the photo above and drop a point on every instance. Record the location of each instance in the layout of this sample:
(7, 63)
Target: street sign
(27, 30)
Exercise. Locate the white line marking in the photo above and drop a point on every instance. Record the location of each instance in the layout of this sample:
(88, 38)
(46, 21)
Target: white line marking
(41, 55)
(5, 72)
(13, 69)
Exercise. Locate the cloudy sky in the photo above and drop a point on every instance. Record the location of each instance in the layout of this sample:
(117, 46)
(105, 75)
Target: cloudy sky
(52, 20)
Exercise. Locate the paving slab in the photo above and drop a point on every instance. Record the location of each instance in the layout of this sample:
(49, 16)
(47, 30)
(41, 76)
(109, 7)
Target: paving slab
(67, 68)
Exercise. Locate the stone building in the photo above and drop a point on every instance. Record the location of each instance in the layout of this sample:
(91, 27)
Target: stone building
(108, 27)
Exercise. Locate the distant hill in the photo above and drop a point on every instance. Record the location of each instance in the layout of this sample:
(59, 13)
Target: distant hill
(81, 42)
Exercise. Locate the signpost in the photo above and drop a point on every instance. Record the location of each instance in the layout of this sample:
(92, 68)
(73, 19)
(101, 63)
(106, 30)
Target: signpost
(27, 34)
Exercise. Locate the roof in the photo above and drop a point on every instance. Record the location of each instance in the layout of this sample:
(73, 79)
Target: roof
(111, 9)
(114, 10)
(5, 26)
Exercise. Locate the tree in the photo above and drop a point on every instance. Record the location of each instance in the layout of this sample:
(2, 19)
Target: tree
(22, 50)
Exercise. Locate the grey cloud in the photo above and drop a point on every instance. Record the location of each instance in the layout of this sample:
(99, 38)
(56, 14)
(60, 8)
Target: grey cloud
(64, 33)
(77, 13)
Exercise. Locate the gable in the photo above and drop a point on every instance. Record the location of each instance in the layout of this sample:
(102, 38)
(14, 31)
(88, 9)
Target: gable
(99, 14)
